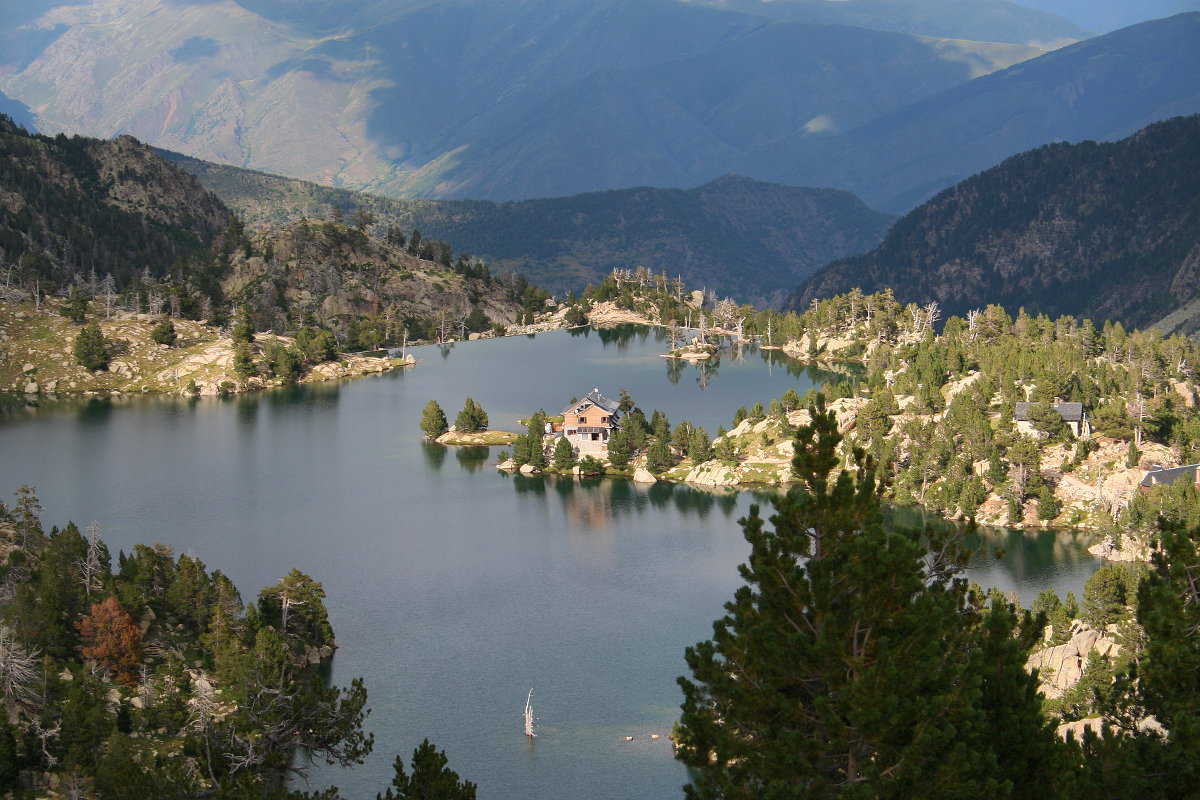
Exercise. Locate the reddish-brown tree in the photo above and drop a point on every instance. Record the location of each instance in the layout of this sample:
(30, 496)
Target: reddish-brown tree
(109, 635)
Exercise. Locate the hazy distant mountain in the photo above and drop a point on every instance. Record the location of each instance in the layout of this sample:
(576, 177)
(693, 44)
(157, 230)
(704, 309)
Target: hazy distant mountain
(1108, 15)
(742, 238)
(419, 97)
(1107, 231)
(979, 20)
(1102, 88)
(688, 120)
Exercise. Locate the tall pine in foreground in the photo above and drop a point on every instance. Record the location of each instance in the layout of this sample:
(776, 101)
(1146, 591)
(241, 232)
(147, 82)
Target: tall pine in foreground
(854, 665)
(1151, 748)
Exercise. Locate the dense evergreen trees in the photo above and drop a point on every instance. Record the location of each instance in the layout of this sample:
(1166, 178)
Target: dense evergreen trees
(155, 681)
(1087, 229)
(471, 418)
(850, 665)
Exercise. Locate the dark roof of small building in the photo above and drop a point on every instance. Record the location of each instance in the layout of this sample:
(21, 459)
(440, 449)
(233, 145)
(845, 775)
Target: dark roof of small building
(1169, 476)
(596, 399)
(1070, 412)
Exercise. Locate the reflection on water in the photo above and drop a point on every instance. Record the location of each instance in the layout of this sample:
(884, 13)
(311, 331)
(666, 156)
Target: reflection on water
(435, 455)
(593, 504)
(1018, 561)
(472, 459)
(777, 359)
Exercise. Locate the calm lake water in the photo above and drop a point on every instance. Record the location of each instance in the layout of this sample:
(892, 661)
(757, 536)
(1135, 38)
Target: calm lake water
(453, 588)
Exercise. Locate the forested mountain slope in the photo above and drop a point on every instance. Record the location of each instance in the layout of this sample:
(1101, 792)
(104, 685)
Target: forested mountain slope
(742, 238)
(77, 205)
(1106, 231)
(113, 221)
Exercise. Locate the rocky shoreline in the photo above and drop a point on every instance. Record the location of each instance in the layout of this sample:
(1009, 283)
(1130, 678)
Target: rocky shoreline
(37, 358)
(765, 461)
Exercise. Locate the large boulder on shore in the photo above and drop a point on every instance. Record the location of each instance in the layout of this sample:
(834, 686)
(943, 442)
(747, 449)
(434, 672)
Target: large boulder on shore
(643, 475)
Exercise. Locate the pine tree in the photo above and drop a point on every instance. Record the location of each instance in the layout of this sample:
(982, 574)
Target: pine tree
(1047, 508)
(564, 455)
(164, 332)
(620, 449)
(590, 465)
(471, 418)
(75, 308)
(847, 667)
(658, 457)
(109, 635)
(699, 447)
(91, 348)
(433, 420)
(1169, 612)
(243, 360)
(431, 778)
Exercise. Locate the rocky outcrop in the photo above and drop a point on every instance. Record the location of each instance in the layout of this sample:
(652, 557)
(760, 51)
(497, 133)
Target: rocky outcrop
(1127, 549)
(476, 438)
(1059, 668)
(712, 473)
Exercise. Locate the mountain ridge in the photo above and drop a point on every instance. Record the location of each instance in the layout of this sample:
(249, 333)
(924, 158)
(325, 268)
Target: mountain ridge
(1101, 230)
(774, 234)
(1103, 89)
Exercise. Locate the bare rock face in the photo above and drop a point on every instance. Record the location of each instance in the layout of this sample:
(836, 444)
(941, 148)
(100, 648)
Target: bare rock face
(1059, 667)
(712, 473)
(529, 469)
(1079, 726)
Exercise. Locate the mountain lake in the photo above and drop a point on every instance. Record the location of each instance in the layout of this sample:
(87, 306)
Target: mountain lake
(453, 588)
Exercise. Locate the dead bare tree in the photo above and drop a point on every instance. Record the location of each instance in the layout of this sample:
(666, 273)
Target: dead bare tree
(108, 289)
(44, 735)
(90, 568)
(973, 323)
(18, 669)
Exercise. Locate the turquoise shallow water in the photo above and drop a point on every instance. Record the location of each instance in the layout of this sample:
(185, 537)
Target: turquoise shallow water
(454, 588)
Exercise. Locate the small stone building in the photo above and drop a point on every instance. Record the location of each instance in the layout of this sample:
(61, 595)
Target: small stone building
(1072, 414)
(1169, 476)
(588, 423)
